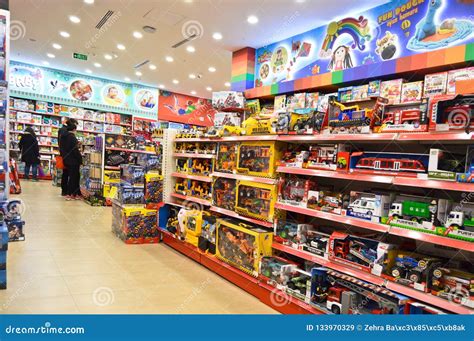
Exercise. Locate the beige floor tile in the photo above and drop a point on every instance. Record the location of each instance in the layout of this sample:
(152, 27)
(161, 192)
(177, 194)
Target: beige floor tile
(50, 305)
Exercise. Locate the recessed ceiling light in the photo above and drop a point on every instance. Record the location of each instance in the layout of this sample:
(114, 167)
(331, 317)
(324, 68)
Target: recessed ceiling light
(252, 19)
(138, 73)
(89, 71)
(152, 67)
(190, 49)
(126, 79)
(217, 35)
(212, 69)
(193, 92)
(121, 47)
(57, 46)
(300, 1)
(74, 19)
(108, 56)
(209, 88)
(45, 63)
(169, 59)
(64, 34)
(97, 64)
(192, 76)
(137, 34)
(161, 86)
(50, 55)
(89, 2)
(227, 84)
(175, 81)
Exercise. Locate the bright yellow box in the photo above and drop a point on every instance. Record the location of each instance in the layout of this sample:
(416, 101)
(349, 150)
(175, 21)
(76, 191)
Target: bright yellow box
(258, 158)
(256, 200)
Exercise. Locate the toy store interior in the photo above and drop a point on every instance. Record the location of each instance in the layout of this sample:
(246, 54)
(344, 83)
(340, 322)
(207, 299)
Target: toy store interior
(237, 157)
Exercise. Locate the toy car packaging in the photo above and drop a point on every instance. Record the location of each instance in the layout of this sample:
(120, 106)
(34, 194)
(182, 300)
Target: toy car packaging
(326, 201)
(294, 158)
(315, 242)
(369, 206)
(298, 283)
(405, 164)
(453, 285)
(445, 165)
(293, 190)
(242, 245)
(226, 157)
(405, 119)
(328, 157)
(468, 174)
(207, 239)
(459, 222)
(258, 158)
(290, 233)
(304, 122)
(452, 113)
(255, 200)
(223, 193)
(273, 269)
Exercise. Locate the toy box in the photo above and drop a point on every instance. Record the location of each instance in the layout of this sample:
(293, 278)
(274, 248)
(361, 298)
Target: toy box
(223, 119)
(315, 242)
(293, 190)
(396, 119)
(258, 158)
(458, 75)
(150, 163)
(298, 283)
(412, 92)
(459, 222)
(280, 104)
(452, 112)
(312, 99)
(120, 141)
(201, 166)
(373, 89)
(328, 157)
(294, 157)
(360, 93)
(130, 195)
(127, 224)
(405, 164)
(199, 189)
(467, 175)
(182, 165)
(368, 206)
(296, 101)
(192, 226)
(300, 123)
(151, 234)
(226, 161)
(391, 90)
(228, 99)
(435, 84)
(344, 94)
(258, 125)
(326, 201)
(181, 186)
(255, 200)
(207, 239)
(153, 190)
(290, 233)
(453, 285)
(223, 193)
(242, 245)
(445, 165)
(132, 174)
(273, 269)
(253, 107)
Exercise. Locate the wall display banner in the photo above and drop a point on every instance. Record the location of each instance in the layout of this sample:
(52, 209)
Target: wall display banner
(185, 109)
(75, 89)
(396, 29)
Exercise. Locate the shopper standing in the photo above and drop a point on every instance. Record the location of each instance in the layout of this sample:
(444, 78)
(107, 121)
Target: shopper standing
(65, 176)
(72, 159)
(30, 153)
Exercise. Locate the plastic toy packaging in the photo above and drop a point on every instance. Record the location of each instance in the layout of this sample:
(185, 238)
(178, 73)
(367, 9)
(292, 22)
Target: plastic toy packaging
(223, 193)
(153, 190)
(274, 270)
(255, 200)
(328, 157)
(201, 166)
(406, 164)
(130, 195)
(182, 165)
(207, 239)
(369, 206)
(258, 158)
(226, 157)
(452, 113)
(199, 189)
(327, 201)
(294, 190)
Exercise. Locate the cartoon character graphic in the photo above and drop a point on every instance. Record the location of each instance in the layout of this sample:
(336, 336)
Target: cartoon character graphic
(386, 47)
(340, 59)
(178, 110)
(279, 59)
(113, 96)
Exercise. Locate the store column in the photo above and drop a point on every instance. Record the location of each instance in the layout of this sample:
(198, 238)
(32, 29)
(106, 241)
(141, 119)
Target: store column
(243, 69)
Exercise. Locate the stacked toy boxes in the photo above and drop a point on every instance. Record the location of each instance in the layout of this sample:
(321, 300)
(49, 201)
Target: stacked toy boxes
(3, 255)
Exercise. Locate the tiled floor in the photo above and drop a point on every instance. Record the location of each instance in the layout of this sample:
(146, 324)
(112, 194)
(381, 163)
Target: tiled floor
(72, 263)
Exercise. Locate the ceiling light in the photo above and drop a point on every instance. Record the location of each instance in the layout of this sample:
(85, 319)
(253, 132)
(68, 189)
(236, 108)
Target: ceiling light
(169, 59)
(89, 2)
(161, 86)
(252, 19)
(209, 88)
(45, 63)
(217, 36)
(64, 34)
(137, 34)
(74, 19)
(57, 46)
(89, 71)
(193, 92)
(97, 64)
(126, 79)
(212, 69)
(175, 81)
(121, 47)
(190, 49)
(50, 55)
(108, 56)
(152, 67)
(149, 29)
(192, 76)
(227, 84)
(139, 74)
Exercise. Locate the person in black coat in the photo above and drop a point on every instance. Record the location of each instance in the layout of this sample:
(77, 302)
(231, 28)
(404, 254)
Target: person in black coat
(30, 153)
(72, 158)
(65, 176)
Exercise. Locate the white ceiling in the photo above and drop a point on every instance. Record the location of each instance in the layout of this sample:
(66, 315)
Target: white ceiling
(40, 21)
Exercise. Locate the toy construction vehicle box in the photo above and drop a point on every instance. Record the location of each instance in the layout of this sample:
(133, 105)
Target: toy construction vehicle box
(226, 160)
(223, 193)
(256, 200)
(259, 125)
(242, 245)
(258, 158)
(452, 113)
(409, 119)
(200, 166)
(228, 99)
(111, 176)
(302, 122)
(453, 285)
(192, 226)
(369, 206)
(226, 119)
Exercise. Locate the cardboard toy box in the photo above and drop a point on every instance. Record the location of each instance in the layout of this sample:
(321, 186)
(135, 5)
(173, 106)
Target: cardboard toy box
(127, 223)
(255, 200)
(293, 190)
(391, 90)
(369, 206)
(435, 84)
(258, 158)
(458, 75)
(451, 113)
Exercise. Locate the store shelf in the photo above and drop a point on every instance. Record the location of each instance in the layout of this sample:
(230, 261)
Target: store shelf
(193, 199)
(338, 137)
(131, 150)
(245, 178)
(238, 216)
(365, 224)
(185, 248)
(436, 136)
(229, 138)
(196, 156)
(112, 167)
(434, 184)
(336, 174)
(192, 177)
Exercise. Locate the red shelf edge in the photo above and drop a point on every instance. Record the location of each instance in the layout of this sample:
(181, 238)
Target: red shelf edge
(189, 198)
(192, 177)
(238, 216)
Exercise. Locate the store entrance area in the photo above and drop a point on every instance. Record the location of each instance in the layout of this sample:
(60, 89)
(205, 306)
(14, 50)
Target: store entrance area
(72, 263)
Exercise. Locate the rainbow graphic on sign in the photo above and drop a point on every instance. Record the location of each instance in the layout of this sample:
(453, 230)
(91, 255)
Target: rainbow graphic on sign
(358, 29)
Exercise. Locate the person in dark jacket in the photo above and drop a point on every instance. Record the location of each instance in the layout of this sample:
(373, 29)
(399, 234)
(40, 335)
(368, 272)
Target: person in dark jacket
(30, 153)
(72, 158)
(65, 176)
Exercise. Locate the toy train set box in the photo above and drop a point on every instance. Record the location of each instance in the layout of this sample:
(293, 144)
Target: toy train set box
(258, 158)
(256, 200)
(242, 245)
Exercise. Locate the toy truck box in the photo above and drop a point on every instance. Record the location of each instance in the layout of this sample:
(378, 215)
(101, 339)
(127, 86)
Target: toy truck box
(294, 158)
(258, 158)
(290, 233)
(369, 206)
(273, 269)
(298, 283)
(242, 245)
(413, 119)
(452, 113)
(256, 200)
(315, 242)
(326, 201)
(459, 222)
(294, 190)
(453, 285)
(445, 165)
(467, 175)
(300, 122)
(328, 157)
